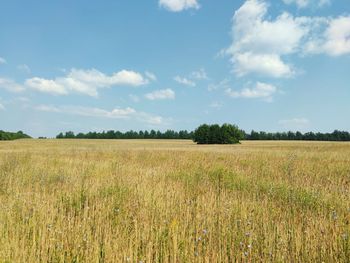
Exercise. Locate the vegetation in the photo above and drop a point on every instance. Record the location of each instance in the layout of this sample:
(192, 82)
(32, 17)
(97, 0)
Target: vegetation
(169, 134)
(214, 134)
(298, 136)
(7, 136)
(171, 201)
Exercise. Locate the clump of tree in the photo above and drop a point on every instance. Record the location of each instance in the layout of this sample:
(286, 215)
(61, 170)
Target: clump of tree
(215, 134)
(8, 136)
(298, 136)
(169, 134)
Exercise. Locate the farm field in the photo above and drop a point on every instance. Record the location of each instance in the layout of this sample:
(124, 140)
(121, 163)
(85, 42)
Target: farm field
(174, 201)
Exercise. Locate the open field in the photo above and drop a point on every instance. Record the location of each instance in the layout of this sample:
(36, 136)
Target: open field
(174, 201)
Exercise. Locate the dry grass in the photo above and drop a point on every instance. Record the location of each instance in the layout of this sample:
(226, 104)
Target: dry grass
(173, 201)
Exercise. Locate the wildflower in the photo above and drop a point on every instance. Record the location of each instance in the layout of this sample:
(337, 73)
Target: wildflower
(205, 231)
(247, 234)
(249, 246)
(246, 253)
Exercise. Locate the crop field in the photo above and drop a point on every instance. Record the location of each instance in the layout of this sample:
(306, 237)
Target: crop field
(174, 201)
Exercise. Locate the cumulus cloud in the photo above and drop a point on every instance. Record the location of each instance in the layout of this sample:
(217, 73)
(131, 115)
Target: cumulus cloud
(2, 107)
(185, 81)
(2, 60)
(260, 43)
(46, 85)
(10, 85)
(308, 3)
(338, 36)
(295, 123)
(179, 5)
(117, 113)
(260, 90)
(334, 40)
(264, 64)
(161, 94)
(86, 82)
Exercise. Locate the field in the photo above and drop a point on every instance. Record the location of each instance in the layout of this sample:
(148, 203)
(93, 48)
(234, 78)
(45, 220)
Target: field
(174, 201)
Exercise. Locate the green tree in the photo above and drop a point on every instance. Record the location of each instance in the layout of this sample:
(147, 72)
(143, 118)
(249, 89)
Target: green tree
(214, 134)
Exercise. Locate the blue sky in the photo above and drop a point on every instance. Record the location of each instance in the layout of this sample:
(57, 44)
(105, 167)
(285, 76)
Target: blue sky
(174, 64)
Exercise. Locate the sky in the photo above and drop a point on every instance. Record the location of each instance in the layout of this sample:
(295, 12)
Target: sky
(88, 65)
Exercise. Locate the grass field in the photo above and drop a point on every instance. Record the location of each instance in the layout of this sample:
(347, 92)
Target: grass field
(174, 201)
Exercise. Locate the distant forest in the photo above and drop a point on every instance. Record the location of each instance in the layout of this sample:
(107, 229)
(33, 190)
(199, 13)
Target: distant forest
(8, 136)
(170, 134)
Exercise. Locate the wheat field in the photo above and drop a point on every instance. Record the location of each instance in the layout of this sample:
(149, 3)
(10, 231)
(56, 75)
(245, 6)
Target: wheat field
(174, 201)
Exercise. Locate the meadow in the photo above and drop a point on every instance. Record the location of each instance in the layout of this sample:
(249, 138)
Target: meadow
(174, 201)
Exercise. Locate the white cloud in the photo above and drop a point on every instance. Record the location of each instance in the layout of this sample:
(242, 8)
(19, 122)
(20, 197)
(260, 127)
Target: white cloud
(200, 74)
(48, 108)
(161, 94)
(99, 79)
(216, 105)
(338, 37)
(2, 107)
(261, 90)
(46, 85)
(224, 84)
(86, 82)
(295, 123)
(151, 76)
(179, 5)
(185, 81)
(25, 68)
(117, 113)
(10, 85)
(335, 39)
(259, 43)
(264, 64)
(307, 3)
(2, 60)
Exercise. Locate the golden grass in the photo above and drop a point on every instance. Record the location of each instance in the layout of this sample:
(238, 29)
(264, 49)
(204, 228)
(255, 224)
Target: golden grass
(174, 201)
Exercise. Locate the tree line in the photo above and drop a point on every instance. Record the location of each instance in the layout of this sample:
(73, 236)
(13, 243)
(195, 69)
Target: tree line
(204, 134)
(298, 136)
(211, 134)
(8, 136)
(169, 134)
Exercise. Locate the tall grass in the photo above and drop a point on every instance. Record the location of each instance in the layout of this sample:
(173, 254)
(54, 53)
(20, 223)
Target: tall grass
(173, 201)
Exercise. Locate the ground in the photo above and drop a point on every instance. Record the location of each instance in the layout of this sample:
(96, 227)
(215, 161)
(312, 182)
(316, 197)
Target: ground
(174, 201)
